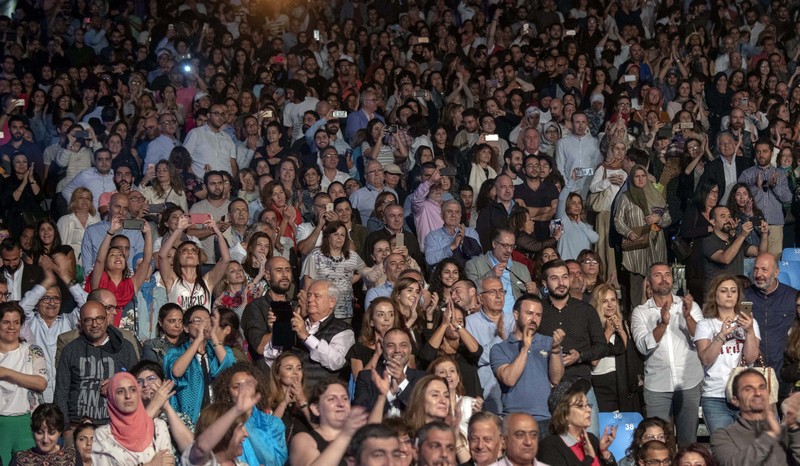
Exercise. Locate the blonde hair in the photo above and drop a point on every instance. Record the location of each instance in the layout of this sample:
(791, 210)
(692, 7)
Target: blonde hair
(73, 200)
(598, 295)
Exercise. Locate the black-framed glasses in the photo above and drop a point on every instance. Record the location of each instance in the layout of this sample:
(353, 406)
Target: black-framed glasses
(99, 320)
(46, 299)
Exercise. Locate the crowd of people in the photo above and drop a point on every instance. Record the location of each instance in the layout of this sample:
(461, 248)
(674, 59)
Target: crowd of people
(398, 232)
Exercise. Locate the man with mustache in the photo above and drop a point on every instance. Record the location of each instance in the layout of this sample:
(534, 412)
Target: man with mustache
(724, 253)
(584, 341)
(255, 325)
(528, 362)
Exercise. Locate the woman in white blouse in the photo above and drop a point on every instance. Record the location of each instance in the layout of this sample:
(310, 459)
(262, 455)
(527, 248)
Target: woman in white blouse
(24, 378)
(81, 214)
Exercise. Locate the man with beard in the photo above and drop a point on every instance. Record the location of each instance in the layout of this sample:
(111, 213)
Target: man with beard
(528, 362)
(216, 204)
(512, 165)
(496, 214)
(16, 127)
(773, 306)
(20, 277)
(663, 330)
(123, 182)
(577, 151)
(94, 235)
(396, 347)
(256, 326)
(539, 196)
(758, 436)
(210, 146)
(739, 125)
(770, 188)
(584, 341)
(464, 294)
(724, 253)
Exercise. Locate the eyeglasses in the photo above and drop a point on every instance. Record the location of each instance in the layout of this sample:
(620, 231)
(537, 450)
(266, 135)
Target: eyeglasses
(664, 462)
(110, 307)
(659, 437)
(498, 292)
(583, 405)
(46, 299)
(504, 245)
(147, 381)
(99, 320)
(5, 295)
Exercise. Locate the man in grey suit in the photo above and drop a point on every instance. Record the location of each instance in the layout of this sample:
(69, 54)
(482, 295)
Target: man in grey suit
(498, 263)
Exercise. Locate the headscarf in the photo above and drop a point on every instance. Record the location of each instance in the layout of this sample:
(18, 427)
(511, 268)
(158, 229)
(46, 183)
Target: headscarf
(645, 198)
(134, 431)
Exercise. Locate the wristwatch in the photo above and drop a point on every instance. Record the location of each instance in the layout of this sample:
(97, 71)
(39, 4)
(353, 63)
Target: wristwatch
(459, 327)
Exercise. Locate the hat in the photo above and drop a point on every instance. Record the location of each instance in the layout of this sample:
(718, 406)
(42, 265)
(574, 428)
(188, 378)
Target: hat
(570, 71)
(532, 110)
(163, 51)
(565, 389)
(393, 169)
(200, 95)
(547, 92)
(597, 97)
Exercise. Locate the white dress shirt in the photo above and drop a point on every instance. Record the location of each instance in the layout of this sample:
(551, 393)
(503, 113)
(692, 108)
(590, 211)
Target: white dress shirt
(672, 363)
(209, 148)
(331, 356)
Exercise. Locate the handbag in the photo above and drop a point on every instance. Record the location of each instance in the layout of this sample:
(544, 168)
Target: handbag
(599, 202)
(642, 242)
(766, 371)
(681, 248)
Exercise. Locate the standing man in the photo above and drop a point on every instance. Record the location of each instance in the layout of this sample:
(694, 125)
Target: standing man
(724, 253)
(210, 147)
(539, 197)
(577, 151)
(160, 147)
(256, 327)
(490, 326)
(663, 330)
(496, 214)
(774, 310)
(94, 235)
(216, 204)
(528, 362)
(364, 198)
(359, 119)
(584, 341)
(726, 169)
(770, 190)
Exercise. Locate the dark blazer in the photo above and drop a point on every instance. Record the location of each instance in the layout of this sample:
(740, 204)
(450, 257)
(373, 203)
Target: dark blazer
(32, 275)
(553, 450)
(367, 394)
(714, 171)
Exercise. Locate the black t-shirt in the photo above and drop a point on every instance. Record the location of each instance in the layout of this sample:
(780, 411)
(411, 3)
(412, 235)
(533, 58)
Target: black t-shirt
(542, 197)
(713, 243)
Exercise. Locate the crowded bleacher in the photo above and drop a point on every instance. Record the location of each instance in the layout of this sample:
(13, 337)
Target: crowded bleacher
(396, 232)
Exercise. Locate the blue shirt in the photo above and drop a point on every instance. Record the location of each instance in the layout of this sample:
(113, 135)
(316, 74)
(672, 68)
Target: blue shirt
(356, 121)
(94, 181)
(94, 236)
(363, 200)
(383, 291)
(535, 377)
(480, 326)
(437, 244)
(508, 305)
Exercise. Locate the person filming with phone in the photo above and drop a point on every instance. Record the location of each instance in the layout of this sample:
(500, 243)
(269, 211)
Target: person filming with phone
(726, 338)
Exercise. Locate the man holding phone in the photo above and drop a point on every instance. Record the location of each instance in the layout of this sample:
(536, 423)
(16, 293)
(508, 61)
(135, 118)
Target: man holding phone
(578, 150)
(256, 325)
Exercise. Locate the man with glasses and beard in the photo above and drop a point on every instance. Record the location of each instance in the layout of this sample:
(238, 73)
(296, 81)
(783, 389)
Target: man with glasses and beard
(87, 363)
(215, 204)
(16, 127)
(255, 319)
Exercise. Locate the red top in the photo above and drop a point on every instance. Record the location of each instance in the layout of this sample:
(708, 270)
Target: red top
(298, 219)
(577, 448)
(123, 292)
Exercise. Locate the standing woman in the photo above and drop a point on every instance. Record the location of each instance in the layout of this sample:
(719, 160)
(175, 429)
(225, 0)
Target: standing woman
(743, 208)
(21, 195)
(131, 436)
(614, 376)
(82, 214)
(696, 225)
(24, 378)
(577, 234)
(170, 328)
(725, 338)
(277, 200)
(166, 187)
(183, 277)
(334, 260)
(112, 266)
(608, 178)
(197, 362)
(642, 211)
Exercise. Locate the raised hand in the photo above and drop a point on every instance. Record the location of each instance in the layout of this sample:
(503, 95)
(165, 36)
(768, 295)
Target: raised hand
(356, 420)
(609, 434)
(558, 337)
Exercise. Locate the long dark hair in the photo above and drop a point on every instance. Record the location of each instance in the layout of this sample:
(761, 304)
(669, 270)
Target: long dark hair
(176, 268)
(701, 193)
(330, 229)
(37, 248)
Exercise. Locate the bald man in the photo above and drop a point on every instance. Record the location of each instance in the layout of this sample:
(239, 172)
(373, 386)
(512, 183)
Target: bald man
(87, 362)
(773, 308)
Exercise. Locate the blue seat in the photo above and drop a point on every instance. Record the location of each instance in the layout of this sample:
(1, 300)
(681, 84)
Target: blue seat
(791, 255)
(790, 273)
(626, 423)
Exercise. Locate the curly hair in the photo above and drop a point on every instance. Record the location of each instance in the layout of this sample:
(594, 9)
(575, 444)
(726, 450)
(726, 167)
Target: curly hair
(436, 285)
(637, 442)
(222, 384)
